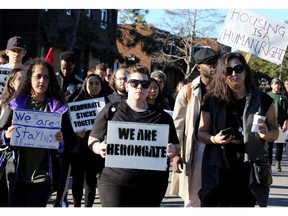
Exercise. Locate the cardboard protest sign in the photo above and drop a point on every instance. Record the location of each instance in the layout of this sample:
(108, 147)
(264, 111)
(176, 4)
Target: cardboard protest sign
(137, 145)
(3, 76)
(255, 34)
(35, 129)
(83, 113)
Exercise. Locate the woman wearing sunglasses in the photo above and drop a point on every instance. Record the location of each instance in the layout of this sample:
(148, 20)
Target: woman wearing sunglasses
(125, 187)
(231, 101)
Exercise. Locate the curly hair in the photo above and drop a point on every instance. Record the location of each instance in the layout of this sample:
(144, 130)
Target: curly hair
(9, 92)
(218, 86)
(53, 90)
(113, 77)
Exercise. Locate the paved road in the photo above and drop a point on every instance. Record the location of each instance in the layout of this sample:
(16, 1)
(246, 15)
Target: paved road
(278, 193)
(279, 189)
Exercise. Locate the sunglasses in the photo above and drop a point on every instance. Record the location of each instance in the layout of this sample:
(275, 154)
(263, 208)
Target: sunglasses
(238, 69)
(135, 83)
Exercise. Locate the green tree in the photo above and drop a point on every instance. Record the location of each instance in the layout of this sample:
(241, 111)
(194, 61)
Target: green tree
(133, 16)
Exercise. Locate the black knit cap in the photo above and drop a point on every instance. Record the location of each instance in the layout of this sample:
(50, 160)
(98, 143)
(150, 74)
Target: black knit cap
(205, 56)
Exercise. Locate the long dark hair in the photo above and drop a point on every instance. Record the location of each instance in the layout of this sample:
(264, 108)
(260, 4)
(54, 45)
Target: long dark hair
(53, 90)
(83, 94)
(218, 86)
(159, 101)
(9, 91)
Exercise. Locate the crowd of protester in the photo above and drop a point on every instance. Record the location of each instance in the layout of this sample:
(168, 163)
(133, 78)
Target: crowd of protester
(211, 140)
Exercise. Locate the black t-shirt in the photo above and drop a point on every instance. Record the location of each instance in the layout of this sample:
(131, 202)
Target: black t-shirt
(125, 113)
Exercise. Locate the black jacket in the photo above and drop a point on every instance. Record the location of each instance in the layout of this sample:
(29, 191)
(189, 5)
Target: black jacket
(69, 84)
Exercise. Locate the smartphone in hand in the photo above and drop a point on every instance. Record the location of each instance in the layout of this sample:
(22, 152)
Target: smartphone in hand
(228, 131)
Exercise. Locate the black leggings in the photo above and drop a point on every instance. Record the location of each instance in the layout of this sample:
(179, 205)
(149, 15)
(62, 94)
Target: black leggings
(31, 194)
(232, 189)
(85, 167)
(3, 192)
(278, 152)
(147, 191)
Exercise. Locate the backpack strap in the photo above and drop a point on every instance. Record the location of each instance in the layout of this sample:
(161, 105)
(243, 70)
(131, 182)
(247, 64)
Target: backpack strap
(189, 91)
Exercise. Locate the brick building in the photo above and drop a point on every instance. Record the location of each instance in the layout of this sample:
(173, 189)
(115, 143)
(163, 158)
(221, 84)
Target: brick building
(90, 33)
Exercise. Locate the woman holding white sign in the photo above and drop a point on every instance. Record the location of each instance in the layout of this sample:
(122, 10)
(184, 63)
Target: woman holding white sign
(31, 167)
(133, 187)
(84, 163)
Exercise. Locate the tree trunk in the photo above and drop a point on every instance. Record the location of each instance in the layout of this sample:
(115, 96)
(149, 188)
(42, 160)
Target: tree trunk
(188, 70)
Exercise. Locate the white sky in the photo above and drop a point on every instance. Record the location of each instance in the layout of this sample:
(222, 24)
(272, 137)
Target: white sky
(274, 14)
(157, 16)
(149, 4)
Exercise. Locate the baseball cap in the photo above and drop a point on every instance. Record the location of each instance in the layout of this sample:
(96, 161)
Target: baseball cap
(16, 42)
(275, 80)
(205, 55)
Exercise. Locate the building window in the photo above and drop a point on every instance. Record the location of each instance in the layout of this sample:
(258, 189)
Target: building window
(88, 13)
(68, 12)
(197, 48)
(104, 19)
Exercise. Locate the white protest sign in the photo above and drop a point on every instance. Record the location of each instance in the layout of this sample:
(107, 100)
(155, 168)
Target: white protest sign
(255, 34)
(83, 113)
(137, 145)
(35, 129)
(3, 76)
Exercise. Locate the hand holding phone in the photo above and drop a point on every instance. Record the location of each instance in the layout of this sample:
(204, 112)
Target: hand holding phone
(228, 131)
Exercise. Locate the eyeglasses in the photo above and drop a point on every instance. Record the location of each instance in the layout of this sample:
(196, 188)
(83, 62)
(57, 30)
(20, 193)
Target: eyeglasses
(238, 69)
(135, 83)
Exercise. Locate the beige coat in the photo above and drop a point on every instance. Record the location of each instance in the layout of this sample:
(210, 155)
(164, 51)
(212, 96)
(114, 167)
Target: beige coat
(185, 116)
